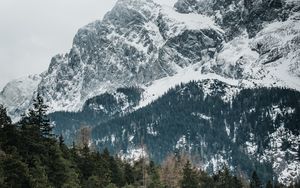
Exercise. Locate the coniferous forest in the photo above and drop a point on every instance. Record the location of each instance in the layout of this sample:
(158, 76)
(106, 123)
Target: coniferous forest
(32, 156)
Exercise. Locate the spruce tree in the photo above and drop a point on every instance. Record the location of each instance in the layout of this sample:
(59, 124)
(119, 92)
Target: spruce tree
(37, 118)
(8, 131)
(190, 179)
(128, 172)
(16, 172)
(269, 184)
(38, 175)
(154, 176)
(117, 177)
(62, 172)
(2, 157)
(4, 119)
(255, 181)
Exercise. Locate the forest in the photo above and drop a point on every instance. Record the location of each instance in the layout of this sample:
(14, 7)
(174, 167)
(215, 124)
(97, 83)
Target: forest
(31, 156)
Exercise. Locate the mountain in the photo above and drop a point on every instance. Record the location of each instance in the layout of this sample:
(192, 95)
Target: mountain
(139, 42)
(17, 94)
(133, 73)
(256, 130)
(262, 39)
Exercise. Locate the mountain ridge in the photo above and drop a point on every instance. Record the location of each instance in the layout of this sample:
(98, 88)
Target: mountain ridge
(162, 43)
(206, 54)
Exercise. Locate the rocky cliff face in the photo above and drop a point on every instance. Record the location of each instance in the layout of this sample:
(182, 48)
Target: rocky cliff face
(238, 15)
(261, 39)
(243, 43)
(138, 42)
(17, 94)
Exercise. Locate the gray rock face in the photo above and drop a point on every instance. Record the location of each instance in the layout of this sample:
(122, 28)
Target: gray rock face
(139, 42)
(17, 94)
(237, 15)
(243, 43)
(131, 46)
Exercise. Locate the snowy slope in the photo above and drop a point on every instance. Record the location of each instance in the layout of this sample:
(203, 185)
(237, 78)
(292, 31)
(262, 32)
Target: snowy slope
(140, 43)
(17, 94)
(137, 42)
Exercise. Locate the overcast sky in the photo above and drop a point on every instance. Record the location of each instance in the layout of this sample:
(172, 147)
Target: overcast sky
(32, 31)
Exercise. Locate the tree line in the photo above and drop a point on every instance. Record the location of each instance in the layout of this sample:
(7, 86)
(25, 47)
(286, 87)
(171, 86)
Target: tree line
(31, 156)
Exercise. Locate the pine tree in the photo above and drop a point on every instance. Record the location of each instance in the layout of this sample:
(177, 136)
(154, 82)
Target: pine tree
(94, 181)
(205, 180)
(269, 184)
(38, 175)
(190, 178)
(61, 140)
(2, 157)
(154, 176)
(117, 177)
(61, 171)
(16, 172)
(8, 131)
(226, 180)
(255, 181)
(128, 172)
(111, 185)
(37, 118)
(4, 119)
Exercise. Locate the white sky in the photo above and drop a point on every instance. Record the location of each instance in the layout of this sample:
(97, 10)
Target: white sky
(33, 31)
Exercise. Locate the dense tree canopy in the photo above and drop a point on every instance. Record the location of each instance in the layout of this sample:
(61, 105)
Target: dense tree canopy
(31, 156)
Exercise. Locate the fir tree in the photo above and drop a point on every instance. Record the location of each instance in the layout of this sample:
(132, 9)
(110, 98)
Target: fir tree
(4, 119)
(154, 181)
(16, 172)
(269, 184)
(190, 178)
(37, 118)
(38, 175)
(8, 131)
(255, 181)
(128, 173)
(61, 171)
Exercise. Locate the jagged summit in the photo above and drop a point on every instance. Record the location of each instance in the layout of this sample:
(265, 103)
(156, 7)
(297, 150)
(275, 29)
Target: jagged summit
(238, 15)
(139, 43)
(17, 94)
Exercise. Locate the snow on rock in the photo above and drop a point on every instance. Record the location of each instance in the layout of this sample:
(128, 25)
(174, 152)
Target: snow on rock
(17, 95)
(151, 130)
(133, 154)
(141, 43)
(159, 87)
(251, 146)
(183, 144)
(128, 47)
(201, 116)
(276, 110)
(177, 22)
(287, 170)
(216, 163)
(235, 57)
(278, 47)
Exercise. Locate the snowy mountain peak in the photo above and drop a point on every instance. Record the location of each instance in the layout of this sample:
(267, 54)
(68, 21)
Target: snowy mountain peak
(17, 94)
(243, 43)
(140, 42)
(137, 42)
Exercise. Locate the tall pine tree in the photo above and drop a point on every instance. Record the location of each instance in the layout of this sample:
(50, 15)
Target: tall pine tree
(37, 118)
(255, 181)
(190, 178)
